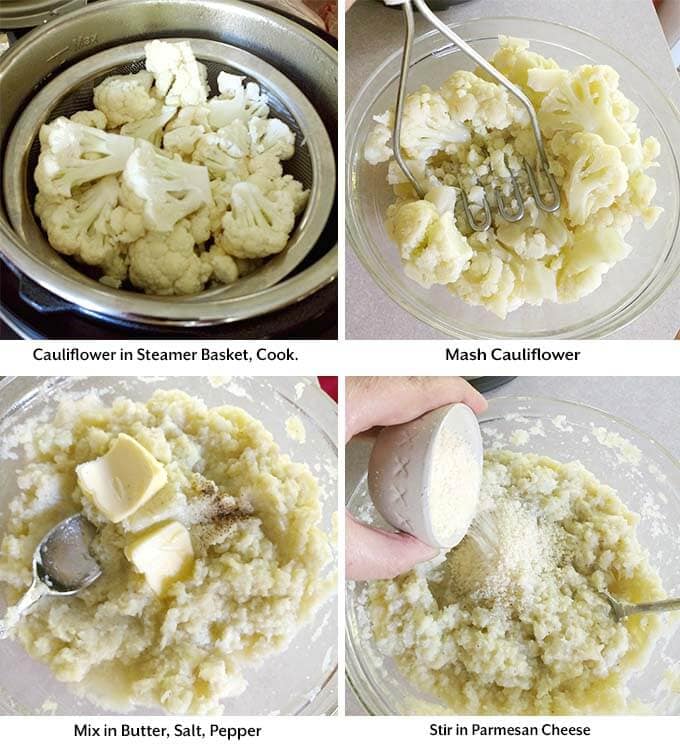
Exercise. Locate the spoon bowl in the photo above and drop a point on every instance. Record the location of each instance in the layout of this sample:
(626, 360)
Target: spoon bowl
(63, 565)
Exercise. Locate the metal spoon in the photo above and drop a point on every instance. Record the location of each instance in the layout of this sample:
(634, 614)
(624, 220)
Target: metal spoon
(621, 610)
(62, 566)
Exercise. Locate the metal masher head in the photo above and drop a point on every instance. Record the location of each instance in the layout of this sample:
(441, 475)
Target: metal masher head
(510, 210)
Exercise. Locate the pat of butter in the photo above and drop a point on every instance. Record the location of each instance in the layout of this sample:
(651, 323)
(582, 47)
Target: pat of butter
(121, 481)
(163, 554)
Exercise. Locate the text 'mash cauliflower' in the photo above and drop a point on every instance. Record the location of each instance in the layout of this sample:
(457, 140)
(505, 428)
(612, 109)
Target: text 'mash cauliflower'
(164, 187)
(471, 135)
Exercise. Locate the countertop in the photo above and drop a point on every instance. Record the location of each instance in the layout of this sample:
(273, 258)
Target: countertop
(651, 404)
(631, 25)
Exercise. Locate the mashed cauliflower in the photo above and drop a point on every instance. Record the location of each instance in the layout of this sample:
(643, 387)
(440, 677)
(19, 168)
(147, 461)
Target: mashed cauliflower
(471, 134)
(260, 554)
(512, 621)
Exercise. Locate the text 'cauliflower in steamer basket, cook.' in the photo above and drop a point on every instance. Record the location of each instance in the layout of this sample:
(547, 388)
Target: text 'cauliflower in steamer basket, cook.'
(164, 187)
(473, 131)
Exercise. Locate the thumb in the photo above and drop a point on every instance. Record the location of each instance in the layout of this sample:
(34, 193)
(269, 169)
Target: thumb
(371, 554)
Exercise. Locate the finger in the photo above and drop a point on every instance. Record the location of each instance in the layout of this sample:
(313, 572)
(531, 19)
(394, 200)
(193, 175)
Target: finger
(384, 401)
(371, 554)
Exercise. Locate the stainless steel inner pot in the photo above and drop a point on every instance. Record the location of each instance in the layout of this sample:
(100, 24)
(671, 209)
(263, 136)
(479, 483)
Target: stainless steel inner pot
(279, 53)
(22, 14)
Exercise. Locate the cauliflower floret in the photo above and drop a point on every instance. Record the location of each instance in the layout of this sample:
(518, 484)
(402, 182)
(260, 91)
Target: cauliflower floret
(72, 154)
(92, 118)
(377, 148)
(167, 263)
(593, 251)
(485, 105)
(236, 101)
(595, 175)
(171, 189)
(223, 153)
(150, 129)
(401, 185)
(189, 116)
(536, 236)
(282, 183)
(515, 61)
(180, 79)
(583, 101)
(271, 136)
(79, 226)
(427, 126)
(224, 268)
(125, 99)
(183, 140)
(431, 247)
(258, 224)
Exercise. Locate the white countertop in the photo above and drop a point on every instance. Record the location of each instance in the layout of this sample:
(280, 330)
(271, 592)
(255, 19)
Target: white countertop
(630, 25)
(650, 404)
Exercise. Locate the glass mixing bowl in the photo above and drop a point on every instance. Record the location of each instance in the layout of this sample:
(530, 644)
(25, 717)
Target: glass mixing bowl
(302, 679)
(650, 488)
(626, 291)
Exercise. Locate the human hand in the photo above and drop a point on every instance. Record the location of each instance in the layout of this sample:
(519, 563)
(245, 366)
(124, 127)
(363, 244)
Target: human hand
(385, 401)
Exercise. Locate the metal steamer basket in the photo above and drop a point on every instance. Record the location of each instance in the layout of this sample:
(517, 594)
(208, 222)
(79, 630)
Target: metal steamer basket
(53, 71)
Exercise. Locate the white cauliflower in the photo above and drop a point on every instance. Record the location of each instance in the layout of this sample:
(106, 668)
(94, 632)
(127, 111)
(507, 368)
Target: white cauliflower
(92, 118)
(583, 101)
(171, 189)
(483, 104)
(183, 140)
(428, 127)
(72, 154)
(221, 153)
(271, 136)
(180, 79)
(167, 263)
(224, 267)
(258, 223)
(126, 99)
(595, 176)
(597, 156)
(378, 147)
(120, 203)
(431, 247)
(236, 101)
(79, 226)
(150, 129)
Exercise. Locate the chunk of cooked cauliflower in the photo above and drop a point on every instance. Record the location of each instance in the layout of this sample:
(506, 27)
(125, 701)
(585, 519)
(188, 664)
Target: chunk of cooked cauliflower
(126, 99)
(167, 263)
(72, 154)
(433, 250)
(237, 101)
(180, 79)
(170, 188)
(258, 222)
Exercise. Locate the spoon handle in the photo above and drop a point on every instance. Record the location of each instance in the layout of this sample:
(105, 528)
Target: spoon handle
(652, 606)
(36, 591)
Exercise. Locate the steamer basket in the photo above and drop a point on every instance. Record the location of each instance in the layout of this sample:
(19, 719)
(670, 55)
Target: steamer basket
(282, 58)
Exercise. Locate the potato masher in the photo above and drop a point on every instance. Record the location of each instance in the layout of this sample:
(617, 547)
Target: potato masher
(508, 214)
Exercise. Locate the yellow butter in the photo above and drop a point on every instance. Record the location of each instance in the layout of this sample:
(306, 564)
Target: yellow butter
(121, 481)
(163, 554)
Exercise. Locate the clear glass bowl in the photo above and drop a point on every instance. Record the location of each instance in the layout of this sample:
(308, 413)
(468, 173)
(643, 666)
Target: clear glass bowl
(651, 488)
(627, 290)
(302, 679)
